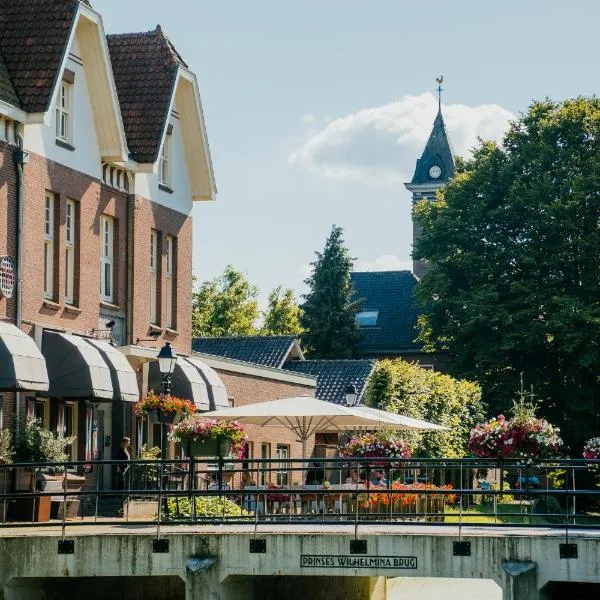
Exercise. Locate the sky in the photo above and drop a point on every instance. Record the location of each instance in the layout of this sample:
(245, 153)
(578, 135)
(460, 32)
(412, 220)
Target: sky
(316, 110)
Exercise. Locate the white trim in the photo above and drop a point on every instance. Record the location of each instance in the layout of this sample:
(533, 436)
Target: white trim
(107, 226)
(238, 366)
(70, 243)
(154, 257)
(12, 112)
(49, 229)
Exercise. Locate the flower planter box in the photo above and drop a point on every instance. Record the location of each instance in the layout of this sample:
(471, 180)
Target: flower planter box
(157, 416)
(210, 447)
(141, 509)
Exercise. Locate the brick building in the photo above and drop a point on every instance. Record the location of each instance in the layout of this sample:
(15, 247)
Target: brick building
(103, 151)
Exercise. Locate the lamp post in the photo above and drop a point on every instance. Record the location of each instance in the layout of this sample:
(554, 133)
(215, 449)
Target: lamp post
(351, 395)
(167, 359)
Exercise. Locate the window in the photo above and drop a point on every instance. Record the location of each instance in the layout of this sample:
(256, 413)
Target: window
(265, 453)
(1, 412)
(106, 258)
(164, 165)
(38, 408)
(367, 318)
(70, 253)
(170, 262)
(67, 426)
(153, 276)
(64, 113)
(49, 246)
(248, 455)
(282, 454)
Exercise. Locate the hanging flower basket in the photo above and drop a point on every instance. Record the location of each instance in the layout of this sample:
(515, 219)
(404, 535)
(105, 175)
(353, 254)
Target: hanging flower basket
(515, 438)
(164, 408)
(206, 437)
(380, 444)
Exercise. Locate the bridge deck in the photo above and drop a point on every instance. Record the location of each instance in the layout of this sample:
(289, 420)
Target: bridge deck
(297, 529)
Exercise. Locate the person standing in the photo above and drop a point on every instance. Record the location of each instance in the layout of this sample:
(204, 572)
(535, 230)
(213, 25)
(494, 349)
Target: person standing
(122, 467)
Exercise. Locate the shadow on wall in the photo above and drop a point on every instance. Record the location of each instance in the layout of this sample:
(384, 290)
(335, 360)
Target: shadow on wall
(96, 588)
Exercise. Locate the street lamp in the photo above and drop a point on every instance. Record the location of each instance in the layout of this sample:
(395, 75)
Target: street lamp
(167, 359)
(351, 395)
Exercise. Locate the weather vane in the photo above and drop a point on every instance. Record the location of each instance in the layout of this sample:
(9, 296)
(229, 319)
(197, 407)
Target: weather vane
(440, 80)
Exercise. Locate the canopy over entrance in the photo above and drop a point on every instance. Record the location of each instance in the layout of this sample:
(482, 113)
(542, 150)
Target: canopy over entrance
(22, 366)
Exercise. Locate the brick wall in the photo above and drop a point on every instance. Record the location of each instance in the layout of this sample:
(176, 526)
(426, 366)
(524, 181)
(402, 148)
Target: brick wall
(248, 389)
(147, 216)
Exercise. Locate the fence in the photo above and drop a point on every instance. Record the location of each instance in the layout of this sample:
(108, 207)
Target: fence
(557, 493)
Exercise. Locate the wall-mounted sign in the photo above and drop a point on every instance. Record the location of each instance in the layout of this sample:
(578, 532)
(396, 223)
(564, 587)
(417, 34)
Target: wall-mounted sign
(357, 562)
(8, 276)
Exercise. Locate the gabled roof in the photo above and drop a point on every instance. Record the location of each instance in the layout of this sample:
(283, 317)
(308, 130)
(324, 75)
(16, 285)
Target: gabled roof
(391, 294)
(145, 66)
(334, 376)
(268, 350)
(33, 39)
(438, 151)
(7, 90)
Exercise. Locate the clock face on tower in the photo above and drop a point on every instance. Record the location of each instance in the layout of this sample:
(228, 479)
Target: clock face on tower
(435, 172)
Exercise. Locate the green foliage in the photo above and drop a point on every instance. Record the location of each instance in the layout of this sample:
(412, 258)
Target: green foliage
(282, 316)
(557, 478)
(213, 506)
(489, 499)
(329, 316)
(225, 306)
(6, 447)
(34, 443)
(407, 389)
(513, 244)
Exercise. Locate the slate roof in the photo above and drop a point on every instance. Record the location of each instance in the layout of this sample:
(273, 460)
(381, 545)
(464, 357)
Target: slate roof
(145, 70)
(33, 39)
(334, 376)
(392, 294)
(7, 90)
(269, 351)
(438, 151)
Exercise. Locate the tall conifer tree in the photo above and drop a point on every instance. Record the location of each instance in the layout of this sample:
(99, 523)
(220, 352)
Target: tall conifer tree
(329, 313)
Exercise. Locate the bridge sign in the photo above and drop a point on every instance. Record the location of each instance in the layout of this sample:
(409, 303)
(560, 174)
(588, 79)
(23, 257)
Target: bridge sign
(357, 562)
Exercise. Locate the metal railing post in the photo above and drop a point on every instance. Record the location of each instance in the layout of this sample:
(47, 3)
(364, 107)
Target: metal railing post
(160, 486)
(64, 515)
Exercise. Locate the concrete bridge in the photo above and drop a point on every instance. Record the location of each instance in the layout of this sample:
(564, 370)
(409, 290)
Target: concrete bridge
(299, 561)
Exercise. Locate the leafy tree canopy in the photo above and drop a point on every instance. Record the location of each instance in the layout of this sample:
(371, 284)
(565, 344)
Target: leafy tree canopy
(404, 388)
(329, 313)
(514, 247)
(282, 316)
(225, 306)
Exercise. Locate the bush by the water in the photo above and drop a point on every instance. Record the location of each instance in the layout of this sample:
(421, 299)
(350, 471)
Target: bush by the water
(212, 507)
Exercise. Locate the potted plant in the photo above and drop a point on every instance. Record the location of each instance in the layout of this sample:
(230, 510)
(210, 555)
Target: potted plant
(6, 456)
(164, 408)
(523, 436)
(205, 437)
(36, 444)
(379, 444)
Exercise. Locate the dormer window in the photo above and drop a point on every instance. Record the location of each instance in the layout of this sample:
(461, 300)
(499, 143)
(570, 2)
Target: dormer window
(367, 318)
(164, 165)
(64, 113)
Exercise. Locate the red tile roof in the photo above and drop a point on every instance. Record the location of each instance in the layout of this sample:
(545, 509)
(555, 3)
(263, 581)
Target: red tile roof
(145, 69)
(33, 39)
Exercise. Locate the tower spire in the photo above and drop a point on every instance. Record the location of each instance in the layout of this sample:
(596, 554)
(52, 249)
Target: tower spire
(440, 89)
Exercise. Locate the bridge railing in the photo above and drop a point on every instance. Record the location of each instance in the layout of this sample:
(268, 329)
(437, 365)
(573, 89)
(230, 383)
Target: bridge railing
(552, 493)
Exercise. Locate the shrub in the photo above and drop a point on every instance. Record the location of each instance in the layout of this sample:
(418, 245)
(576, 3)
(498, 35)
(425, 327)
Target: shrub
(36, 444)
(6, 447)
(547, 505)
(207, 507)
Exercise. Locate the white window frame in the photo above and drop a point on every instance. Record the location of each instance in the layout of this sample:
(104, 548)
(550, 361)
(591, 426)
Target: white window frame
(64, 113)
(170, 247)
(164, 164)
(107, 236)
(282, 454)
(70, 241)
(49, 246)
(153, 276)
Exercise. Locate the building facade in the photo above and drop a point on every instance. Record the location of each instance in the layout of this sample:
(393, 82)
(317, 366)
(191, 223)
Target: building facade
(103, 152)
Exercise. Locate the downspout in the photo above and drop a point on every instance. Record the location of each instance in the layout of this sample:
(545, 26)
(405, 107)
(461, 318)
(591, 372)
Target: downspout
(20, 158)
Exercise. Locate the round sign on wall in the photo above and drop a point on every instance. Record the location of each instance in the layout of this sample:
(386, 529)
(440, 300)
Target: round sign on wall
(7, 276)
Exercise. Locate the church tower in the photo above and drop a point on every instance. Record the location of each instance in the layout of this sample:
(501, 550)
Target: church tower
(433, 170)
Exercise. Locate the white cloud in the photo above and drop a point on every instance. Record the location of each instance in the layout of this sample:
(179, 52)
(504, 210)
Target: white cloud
(385, 262)
(308, 119)
(380, 145)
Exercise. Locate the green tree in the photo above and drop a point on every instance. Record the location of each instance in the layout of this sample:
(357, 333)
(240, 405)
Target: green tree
(282, 316)
(404, 388)
(329, 313)
(514, 247)
(226, 305)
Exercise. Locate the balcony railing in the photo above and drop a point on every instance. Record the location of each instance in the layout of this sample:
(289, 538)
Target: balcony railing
(553, 493)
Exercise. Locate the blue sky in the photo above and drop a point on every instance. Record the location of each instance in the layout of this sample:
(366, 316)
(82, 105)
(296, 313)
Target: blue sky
(317, 110)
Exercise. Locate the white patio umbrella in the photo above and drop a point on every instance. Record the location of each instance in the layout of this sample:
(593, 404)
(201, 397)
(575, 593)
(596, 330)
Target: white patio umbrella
(304, 416)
